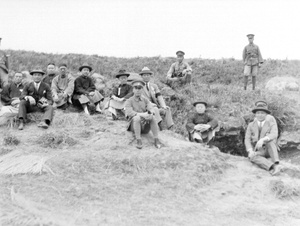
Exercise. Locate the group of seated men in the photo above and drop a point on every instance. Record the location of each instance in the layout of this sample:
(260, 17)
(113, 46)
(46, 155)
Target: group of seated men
(140, 101)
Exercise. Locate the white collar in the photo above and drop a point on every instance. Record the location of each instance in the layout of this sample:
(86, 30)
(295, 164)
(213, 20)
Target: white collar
(261, 123)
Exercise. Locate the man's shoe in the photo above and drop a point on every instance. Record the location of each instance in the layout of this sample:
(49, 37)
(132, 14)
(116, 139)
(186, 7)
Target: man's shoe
(139, 144)
(157, 143)
(276, 170)
(21, 125)
(43, 125)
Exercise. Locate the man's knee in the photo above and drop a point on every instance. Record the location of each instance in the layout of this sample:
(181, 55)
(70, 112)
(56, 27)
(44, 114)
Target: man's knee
(136, 119)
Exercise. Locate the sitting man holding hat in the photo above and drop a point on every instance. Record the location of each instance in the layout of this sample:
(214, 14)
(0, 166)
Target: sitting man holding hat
(85, 90)
(36, 96)
(200, 124)
(152, 93)
(180, 72)
(140, 113)
(260, 140)
(62, 88)
(120, 94)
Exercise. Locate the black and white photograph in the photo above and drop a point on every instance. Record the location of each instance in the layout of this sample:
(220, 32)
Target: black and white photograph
(149, 113)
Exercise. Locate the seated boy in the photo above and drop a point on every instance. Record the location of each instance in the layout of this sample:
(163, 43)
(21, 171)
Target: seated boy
(201, 125)
(120, 94)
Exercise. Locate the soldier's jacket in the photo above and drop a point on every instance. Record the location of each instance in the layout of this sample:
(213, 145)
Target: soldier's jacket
(177, 68)
(3, 61)
(252, 55)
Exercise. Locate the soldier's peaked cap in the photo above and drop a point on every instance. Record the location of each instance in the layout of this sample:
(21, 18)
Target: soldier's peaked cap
(179, 52)
(250, 35)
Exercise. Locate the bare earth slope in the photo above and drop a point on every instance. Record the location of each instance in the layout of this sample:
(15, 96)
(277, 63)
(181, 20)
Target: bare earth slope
(92, 174)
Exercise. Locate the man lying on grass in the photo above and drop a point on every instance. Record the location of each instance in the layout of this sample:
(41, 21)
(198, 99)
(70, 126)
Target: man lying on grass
(140, 112)
(260, 140)
(200, 124)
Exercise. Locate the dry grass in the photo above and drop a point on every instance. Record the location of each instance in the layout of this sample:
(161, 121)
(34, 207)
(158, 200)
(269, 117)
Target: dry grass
(55, 140)
(10, 139)
(62, 120)
(285, 189)
(16, 163)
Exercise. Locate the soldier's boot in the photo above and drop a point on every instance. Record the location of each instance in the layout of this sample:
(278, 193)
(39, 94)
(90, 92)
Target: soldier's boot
(253, 82)
(245, 82)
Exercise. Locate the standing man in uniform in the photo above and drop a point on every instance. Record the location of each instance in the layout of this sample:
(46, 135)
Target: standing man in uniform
(4, 67)
(252, 61)
(180, 72)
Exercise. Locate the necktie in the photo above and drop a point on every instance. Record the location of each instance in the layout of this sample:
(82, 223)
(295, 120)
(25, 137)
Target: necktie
(147, 85)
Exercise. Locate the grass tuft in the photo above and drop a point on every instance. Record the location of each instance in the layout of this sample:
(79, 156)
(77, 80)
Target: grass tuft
(285, 190)
(55, 140)
(10, 139)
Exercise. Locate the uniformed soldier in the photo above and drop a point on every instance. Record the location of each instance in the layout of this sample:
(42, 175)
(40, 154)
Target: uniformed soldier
(180, 72)
(4, 67)
(252, 60)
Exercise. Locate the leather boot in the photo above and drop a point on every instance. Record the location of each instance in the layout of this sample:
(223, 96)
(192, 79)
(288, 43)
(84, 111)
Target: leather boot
(253, 82)
(139, 144)
(245, 82)
(21, 125)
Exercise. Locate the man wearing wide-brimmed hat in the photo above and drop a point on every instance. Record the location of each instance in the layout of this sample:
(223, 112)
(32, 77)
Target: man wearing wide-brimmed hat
(139, 111)
(4, 67)
(200, 124)
(36, 96)
(252, 61)
(85, 90)
(62, 87)
(260, 140)
(180, 72)
(152, 93)
(120, 94)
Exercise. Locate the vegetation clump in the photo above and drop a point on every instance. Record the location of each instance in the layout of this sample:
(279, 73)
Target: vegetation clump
(285, 190)
(10, 139)
(55, 140)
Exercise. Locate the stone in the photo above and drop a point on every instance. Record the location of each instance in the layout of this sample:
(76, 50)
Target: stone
(283, 83)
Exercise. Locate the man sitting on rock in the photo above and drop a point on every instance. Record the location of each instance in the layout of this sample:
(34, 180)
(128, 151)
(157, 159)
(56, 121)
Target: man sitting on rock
(152, 93)
(180, 73)
(200, 124)
(119, 95)
(62, 88)
(85, 90)
(51, 73)
(36, 96)
(260, 140)
(140, 113)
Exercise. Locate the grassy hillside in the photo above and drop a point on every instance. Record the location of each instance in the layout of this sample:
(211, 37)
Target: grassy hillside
(217, 81)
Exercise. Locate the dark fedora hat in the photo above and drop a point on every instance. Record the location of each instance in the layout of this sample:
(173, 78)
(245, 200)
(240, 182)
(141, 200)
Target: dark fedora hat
(86, 65)
(122, 72)
(261, 107)
(40, 71)
(179, 52)
(146, 70)
(200, 102)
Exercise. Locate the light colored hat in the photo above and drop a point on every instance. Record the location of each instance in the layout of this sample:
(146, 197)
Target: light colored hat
(261, 107)
(37, 71)
(146, 70)
(138, 83)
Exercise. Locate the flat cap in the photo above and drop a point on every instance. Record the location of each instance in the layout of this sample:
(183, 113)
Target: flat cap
(179, 52)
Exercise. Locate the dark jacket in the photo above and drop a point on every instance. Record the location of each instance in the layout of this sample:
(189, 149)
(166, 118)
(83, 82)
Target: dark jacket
(48, 79)
(44, 91)
(125, 91)
(84, 85)
(195, 118)
(11, 91)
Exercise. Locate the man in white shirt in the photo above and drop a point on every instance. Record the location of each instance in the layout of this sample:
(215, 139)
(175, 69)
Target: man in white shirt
(260, 140)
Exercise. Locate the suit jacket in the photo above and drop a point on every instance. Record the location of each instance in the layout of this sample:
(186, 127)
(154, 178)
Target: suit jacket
(252, 134)
(44, 91)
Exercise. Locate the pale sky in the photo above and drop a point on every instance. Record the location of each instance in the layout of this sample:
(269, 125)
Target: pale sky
(130, 28)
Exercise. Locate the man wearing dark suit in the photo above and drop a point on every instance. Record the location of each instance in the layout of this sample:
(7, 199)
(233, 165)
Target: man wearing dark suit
(36, 96)
(260, 140)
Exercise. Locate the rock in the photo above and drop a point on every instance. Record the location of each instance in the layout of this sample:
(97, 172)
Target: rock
(283, 83)
(230, 137)
(289, 140)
